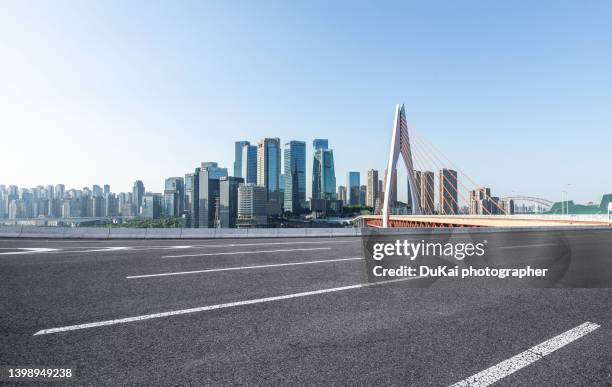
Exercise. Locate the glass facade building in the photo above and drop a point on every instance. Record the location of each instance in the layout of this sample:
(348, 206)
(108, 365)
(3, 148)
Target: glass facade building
(295, 176)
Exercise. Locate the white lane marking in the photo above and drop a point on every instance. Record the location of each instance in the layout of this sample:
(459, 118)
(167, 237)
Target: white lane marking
(145, 248)
(523, 359)
(524, 246)
(245, 252)
(212, 307)
(31, 250)
(240, 268)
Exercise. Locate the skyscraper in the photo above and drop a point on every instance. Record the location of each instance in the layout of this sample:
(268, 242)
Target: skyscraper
(447, 192)
(138, 191)
(207, 177)
(252, 204)
(249, 163)
(174, 194)
(188, 192)
(372, 190)
(151, 205)
(238, 159)
(295, 176)
(427, 192)
(342, 194)
(320, 143)
(353, 185)
(106, 189)
(228, 200)
(268, 171)
(323, 172)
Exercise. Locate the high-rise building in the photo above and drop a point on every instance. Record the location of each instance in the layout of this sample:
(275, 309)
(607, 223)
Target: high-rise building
(427, 192)
(507, 207)
(228, 200)
(372, 189)
(363, 193)
(206, 194)
(151, 206)
(269, 170)
(252, 206)
(323, 172)
(106, 189)
(320, 143)
(249, 163)
(138, 191)
(353, 186)
(447, 192)
(174, 194)
(480, 202)
(342, 194)
(295, 176)
(238, 159)
(97, 191)
(188, 198)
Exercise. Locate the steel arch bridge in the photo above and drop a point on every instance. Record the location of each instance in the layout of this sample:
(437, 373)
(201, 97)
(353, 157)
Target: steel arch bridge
(532, 199)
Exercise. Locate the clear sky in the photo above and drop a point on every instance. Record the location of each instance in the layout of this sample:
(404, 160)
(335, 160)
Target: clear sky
(517, 93)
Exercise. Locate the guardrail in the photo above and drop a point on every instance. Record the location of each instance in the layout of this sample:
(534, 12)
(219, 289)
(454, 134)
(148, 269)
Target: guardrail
(168, 233)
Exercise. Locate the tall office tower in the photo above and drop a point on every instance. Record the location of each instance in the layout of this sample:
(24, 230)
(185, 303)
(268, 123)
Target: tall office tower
(111, 205)
(353, 184)
(372, 189)
(228, 201)
(123, 206)
(320, 143)
(214, 170)
(323, 172)
(363, 193)
(427, 192)
(151, 205)
(206, 193)
(295, 176)
(249, 163)
(480, 201)
(188, 198)
(96, 190)
(507, 207)
(447, 192)
(106, 189)
(138, 191)
(3, 202)
(60, 190)
(268, 171)
(252, 206)
(238, 159)
(342, 194)
(174, 194)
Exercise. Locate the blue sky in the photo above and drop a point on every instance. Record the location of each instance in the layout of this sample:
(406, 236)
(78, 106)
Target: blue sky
(517, 93)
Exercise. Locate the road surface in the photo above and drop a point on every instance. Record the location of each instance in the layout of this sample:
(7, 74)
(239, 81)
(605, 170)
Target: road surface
(287, 311)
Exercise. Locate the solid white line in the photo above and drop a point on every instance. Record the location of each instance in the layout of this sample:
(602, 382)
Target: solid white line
(245, 252)
(212, 307)
(523, 359)
(240, 268)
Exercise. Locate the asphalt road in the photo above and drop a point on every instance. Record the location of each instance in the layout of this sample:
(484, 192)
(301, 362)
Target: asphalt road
(327, 328)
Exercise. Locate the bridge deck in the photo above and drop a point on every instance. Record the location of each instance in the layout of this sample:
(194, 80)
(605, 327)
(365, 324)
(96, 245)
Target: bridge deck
(400, 221)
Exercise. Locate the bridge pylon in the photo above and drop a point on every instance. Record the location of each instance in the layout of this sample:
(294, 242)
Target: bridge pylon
(400, 144)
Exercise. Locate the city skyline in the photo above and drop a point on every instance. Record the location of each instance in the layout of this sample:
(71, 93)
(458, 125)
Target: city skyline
(90, 97)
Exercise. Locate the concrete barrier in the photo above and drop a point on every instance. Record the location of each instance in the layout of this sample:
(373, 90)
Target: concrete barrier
(10, 231)
(353, 231)
(163, 233)
(230, 233)
(42, 232)
(127, 233)
(87, 233)
(262, 232)
(197, 233)
(292, 232)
